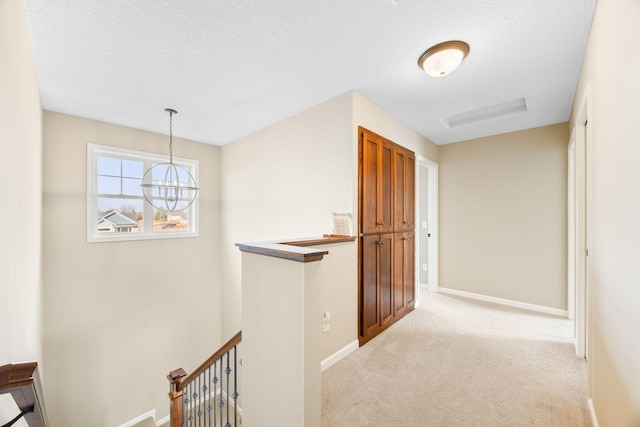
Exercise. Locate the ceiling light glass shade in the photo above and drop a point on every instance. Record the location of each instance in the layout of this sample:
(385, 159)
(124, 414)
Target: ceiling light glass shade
(169, 187)
(443, 58)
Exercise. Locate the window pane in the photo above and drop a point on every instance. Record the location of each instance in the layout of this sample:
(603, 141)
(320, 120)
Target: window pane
(131, 187)
(108, 166)
(119, 215)
(108, 185)
(132, 168)
(170, 221)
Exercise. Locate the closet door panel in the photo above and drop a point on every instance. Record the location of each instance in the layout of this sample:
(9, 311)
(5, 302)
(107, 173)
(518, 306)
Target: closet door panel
(385, 201)
(410, 192)
(399, 166)
(404, 189)
(403, 273)
(369, 293)
(409, 270)
(369, 187)
(376, 184)
(385, 275)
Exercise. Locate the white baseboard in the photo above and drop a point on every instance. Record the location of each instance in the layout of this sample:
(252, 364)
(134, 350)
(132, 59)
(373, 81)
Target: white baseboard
(592, 412)
(433, 288)
(164, 420)
(151, 413)
(507, 302)
(338, 355)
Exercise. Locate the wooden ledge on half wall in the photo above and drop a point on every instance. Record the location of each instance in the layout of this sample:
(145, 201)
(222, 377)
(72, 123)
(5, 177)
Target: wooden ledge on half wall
(295, 249)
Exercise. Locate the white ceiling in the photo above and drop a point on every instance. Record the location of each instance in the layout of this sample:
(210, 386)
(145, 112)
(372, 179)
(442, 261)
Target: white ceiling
(235, 66)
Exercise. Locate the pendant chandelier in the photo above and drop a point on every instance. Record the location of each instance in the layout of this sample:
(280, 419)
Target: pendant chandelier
(166, 186)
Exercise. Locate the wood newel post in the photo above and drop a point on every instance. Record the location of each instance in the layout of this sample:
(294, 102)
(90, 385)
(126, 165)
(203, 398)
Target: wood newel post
(175, 396)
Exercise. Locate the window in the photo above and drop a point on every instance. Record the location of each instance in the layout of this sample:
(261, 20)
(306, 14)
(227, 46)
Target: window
(116, 209)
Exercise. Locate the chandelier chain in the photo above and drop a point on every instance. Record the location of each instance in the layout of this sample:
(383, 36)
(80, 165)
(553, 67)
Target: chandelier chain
(170, 136)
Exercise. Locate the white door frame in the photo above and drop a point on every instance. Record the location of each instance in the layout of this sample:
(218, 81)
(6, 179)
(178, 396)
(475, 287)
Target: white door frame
(432, 221)
(579, 180)
(571, 231)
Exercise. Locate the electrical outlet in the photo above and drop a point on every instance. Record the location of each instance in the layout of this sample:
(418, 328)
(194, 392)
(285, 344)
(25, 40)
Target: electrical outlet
(424, 267)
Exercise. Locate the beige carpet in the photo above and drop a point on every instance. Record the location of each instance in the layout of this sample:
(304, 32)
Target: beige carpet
(459, 362)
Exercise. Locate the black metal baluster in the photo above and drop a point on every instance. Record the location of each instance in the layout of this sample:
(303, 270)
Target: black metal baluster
(228, 372)
(215, 392)
(190, 405)
(209, 397)
(203, 397)
(188, 401)
(184, 409)
(193, 404)
(220, 402)
(185, 412)
(192, 418)
(235, 386)
(201, 401)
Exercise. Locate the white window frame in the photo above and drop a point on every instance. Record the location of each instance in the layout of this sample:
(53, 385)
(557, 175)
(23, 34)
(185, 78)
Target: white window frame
(148, 159)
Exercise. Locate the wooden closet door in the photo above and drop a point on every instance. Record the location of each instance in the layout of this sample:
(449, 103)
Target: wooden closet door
(410, 192)
(376, 307)
(385, 271)
(404, 165)
(387, 221)
(376, 183)
(404, 273)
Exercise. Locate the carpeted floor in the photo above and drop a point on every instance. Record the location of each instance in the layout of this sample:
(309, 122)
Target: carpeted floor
(459, 362)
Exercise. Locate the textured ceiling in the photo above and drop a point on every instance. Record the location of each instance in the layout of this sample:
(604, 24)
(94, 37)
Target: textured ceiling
(233, 67)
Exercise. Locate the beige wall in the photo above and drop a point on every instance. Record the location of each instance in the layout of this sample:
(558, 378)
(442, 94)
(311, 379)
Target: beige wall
(20, 191)
(286, 180)
(612, 65)
(339, 296)
(118, 316)
(281, 341)
(503, 215)
(374, 118)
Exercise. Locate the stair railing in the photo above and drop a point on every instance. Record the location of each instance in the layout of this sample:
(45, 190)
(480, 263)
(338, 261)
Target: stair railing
(208, 396)
(21, 380)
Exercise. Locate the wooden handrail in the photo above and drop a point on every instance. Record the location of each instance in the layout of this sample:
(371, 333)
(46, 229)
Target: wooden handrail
(22, 382)
(223, 350)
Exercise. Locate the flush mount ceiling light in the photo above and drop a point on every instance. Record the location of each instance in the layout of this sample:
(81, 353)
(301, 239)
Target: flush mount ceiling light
(443, 58)
(166, 186)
